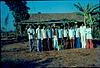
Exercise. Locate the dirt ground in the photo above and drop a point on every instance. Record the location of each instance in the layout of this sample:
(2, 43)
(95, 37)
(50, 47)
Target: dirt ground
(17, 55)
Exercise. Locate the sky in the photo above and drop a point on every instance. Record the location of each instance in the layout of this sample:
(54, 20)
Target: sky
(43, 7)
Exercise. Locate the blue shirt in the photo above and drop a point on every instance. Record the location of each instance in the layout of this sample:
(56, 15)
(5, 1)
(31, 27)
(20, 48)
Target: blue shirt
(49, 33)
(60, 33)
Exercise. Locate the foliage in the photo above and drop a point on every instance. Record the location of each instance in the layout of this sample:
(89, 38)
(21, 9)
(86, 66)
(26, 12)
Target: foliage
(19, 9)
(88, 12)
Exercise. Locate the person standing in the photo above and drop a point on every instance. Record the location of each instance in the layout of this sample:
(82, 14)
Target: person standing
(77, 37)
(44, 38)
(55, 40)
(71, 36)
(49, 35)
(60, 37)
(83, 35)
(31, 33)
(39, 45)
(65, 37)
(89, 43)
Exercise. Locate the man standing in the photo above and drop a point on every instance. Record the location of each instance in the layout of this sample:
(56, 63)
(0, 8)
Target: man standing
(65, 37)
(60, 37)
(71, 36)
(38, 32)
(31, 33)
(49, 34)
(83, 35)
(44, 38)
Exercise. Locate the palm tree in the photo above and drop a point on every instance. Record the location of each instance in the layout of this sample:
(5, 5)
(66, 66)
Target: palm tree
(88, 12)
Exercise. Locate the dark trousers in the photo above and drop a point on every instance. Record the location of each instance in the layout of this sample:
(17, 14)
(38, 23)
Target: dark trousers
(45, 46)
(59, 41)
(31, 44)
(50, 46)
(66, 42)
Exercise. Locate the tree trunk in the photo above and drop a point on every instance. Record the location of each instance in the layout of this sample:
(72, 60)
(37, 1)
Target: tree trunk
(84, 20)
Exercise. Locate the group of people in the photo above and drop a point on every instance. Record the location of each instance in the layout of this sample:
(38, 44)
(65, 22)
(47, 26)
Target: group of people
(59, 38)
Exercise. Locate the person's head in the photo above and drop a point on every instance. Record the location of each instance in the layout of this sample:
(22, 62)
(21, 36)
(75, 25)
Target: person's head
(76, 26)
(54, 25)
(48, 26)
(43, 27)
(30, 26)
(87, 26)
(82, 25)
(64, 27)
(38, 26)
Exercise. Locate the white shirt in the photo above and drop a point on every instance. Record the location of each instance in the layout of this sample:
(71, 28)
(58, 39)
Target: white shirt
(65, 32)
(77, 30)
(38, 31)
(43, 33)
(71, 33)
(30, 32)
(83, 30)
(88, 33)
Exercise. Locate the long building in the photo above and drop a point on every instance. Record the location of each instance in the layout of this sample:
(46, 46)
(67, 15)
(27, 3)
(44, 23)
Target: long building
(49, 18)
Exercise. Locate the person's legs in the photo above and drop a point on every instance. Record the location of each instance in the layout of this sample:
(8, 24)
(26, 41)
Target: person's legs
(50, 44)
(78, 42)
(38, 44)
(30, 44)
(39, 48)
(44, 47)
(87, 43)
(91, 43)
(54, 42)
(57, 46)
(67, 42)
(73, 43)
(64, 43)
(84, 42)
(59, 41)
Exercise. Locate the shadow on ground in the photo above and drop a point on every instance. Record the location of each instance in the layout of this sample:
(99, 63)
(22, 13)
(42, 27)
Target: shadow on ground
(26, 64)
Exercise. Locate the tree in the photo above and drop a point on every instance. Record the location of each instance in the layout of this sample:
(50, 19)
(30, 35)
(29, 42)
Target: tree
(65, 20)
(3, 29)
(19, 9)
(88, 12)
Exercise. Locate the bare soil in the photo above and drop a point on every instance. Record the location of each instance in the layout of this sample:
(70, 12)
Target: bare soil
(18, 55)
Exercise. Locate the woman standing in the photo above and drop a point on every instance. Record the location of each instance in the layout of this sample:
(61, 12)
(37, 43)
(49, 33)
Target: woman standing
(77, 37)
(55, 39)
(89, 43)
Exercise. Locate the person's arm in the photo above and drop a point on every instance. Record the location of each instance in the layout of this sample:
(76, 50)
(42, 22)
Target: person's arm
(28, 32)
(41, 34)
